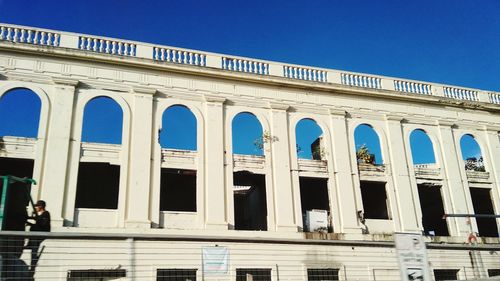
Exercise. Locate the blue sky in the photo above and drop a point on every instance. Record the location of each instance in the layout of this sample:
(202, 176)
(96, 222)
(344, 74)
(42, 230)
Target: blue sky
(449, 41)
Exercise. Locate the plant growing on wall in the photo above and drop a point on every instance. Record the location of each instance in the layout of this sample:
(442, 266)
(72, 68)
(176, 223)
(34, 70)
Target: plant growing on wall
(474, 164)
(266, 137)
(364, 156)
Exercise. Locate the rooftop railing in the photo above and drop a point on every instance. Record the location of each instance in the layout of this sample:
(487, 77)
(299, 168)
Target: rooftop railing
(125, 48)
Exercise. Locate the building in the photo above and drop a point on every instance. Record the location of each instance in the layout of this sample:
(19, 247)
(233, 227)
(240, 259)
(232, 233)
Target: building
(138, 211)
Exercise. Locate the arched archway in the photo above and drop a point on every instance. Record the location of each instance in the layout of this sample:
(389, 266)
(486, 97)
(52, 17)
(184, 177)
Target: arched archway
(20, 113)
(367, 143)
(309, 139)
(471, 153)
(178, 129)
(248, 136)
(422, 150)
(98, 182)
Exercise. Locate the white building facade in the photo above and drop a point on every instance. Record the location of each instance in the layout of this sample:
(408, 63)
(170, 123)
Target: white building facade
(66, 71)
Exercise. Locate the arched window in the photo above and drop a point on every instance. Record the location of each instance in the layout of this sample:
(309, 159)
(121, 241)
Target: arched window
(19, 113)
(248, 137)
(102, 121)
(422, 150)
(99, 180)
(310, 142)
(178, 128)
(367, 145)
(471, 154)
(178, 186)
(19, 117)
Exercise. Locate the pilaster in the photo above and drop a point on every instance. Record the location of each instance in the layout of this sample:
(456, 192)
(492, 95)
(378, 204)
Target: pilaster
(405, 201)
(57, 149)
(215, 200)
(493, 146)
(346, 208)
(280, 143)
(453, 178)
(139, 183)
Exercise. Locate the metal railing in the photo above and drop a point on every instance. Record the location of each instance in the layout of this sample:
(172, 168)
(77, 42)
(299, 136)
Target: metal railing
(83, 256)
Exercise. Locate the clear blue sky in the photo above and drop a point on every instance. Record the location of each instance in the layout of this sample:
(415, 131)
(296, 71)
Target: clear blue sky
(448, 41)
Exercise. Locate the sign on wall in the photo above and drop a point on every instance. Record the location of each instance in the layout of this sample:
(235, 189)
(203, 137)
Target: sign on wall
(215, 260)
(412, 257)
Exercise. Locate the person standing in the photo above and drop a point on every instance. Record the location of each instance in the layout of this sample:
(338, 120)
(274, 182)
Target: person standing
(41, 223)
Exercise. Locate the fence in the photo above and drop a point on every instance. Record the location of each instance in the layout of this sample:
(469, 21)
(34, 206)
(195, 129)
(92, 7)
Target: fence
(79, 256)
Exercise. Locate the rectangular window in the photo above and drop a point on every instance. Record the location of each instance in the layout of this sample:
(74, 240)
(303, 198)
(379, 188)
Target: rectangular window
(431, 204)
(374, 199)
(324, 274)
(96, 274)
(253, 274)
(178, 190)
(250, 207)
(493, 272)
(445, 274)
(481, 200)
(98, 186)
(176, 274)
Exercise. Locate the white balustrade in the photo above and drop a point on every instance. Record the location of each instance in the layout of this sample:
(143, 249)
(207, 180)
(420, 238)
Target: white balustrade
(35, 36)
(303, 73)
(360, 80)
(494, 98)
(108, 46)
(30, 36)
(179, 56)
(244, 65)
(412, 87)
(460, 94)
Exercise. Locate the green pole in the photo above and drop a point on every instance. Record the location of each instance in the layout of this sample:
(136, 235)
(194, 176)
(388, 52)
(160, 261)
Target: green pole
(3, 198)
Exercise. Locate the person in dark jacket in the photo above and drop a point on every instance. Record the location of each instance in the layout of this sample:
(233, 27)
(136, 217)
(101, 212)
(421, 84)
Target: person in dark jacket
(41, 218)
(41, 223)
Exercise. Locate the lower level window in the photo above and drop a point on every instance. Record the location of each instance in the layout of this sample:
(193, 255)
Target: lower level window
(253, 274)
(96, 274)
(323, 274)
(445, 274)
(176, 274)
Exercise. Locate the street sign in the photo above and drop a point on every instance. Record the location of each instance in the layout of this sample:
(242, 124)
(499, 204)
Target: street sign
(412, 257)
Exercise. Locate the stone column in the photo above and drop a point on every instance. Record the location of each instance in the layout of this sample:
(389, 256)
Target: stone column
(343, 173)
(493, 149)
(55, 170)
(215, 190)
(454, 179)
(139, 178)
(405, 201)
(281, 178)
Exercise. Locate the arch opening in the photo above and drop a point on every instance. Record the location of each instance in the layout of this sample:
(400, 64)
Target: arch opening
(309, 139)
(248, 136)
(367, 143)
(422, 150)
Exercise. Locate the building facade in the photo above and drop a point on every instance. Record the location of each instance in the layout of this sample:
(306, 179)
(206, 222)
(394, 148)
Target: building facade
(137, 196)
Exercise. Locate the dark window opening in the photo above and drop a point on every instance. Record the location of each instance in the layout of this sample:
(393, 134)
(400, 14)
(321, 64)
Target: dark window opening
(178, 190)
(481, 200)
(96, 274)
(445, 274)
(176, 274)
(98, 186)
(314, 196)
(324, 274)
(253, 274)
(18, 193)
(493, 272)
(431, 204)
(374, 199)
(250, 209)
